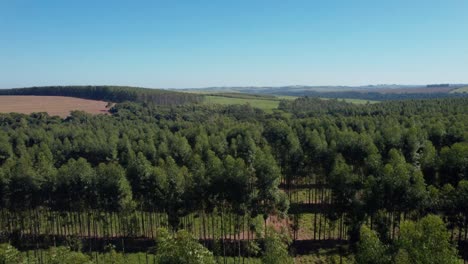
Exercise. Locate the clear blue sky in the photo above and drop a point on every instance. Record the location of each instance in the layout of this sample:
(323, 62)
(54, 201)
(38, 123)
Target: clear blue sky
(232, 43)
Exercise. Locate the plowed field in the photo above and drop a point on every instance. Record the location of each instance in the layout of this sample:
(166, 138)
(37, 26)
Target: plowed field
(54, 105)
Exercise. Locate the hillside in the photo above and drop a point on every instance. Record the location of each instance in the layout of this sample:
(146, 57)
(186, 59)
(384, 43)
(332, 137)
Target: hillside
(463, 89)
(368, 92)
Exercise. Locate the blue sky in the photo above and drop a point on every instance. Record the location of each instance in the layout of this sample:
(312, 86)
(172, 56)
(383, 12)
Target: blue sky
(183, 44)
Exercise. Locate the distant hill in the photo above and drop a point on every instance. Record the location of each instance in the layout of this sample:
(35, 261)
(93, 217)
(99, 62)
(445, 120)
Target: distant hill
(368, 92)
(463, 89)
(110, 93)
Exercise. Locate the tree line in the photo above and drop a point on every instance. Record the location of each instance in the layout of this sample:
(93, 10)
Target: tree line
(115, 94)
(374, 96)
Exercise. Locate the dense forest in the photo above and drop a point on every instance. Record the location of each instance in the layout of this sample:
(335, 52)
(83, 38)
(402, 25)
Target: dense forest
(115, 94)
(353, 177)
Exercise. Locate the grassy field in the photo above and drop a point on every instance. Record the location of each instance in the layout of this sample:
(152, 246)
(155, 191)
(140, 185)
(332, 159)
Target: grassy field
(460, 90)
(54, 105)
(286, 97)
(354, 101)
(264, 104)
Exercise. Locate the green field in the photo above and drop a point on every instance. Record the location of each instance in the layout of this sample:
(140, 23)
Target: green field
(287, 97)
(264, 104)
(353, 101)
(460, 90)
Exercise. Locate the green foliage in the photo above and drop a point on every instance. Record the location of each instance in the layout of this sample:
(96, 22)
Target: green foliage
(181, 248)
(75, 179)
(370, 250)
(114, 257)
(9, 254)
(112, 188)
(264, 104)
(454, 162)
(425, 241)
(276, 249)
(63, 255)
(6, 150)
(267, 174)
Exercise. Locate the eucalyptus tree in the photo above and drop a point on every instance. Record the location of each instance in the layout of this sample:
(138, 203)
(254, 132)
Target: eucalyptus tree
(461, 206)
(268, 198)
(6, 150)
(454, 163)
(401, 188)
(370, 250)
(276, 249)
(4, 182)
(285, 147)
(427, 161)
(425, 241)
(112, 189)
(179, 148)
(346, 186)
(74, 186)
(139, 170)
(181, 248)
(176, 185)
(24, 185)
(448, 204)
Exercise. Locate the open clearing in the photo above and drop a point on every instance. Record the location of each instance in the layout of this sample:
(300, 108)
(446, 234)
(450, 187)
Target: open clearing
(53, 105)
(267, 103)
(264, 104)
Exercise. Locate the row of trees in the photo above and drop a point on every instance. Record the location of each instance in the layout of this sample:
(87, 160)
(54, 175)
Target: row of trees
(171, 248)
(411, 94)
(115, 94)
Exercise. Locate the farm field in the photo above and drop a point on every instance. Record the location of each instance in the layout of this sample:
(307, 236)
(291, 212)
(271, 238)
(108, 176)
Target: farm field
(264, 104)
(53, 105)
(354, 101)
(460, 90)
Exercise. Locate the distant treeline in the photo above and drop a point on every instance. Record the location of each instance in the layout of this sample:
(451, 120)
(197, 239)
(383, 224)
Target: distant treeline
(313, 106)
(374, 96)
(116, 94)
(438, 85)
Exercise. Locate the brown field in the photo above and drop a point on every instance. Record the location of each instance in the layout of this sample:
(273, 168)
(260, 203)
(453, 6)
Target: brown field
(54, 105)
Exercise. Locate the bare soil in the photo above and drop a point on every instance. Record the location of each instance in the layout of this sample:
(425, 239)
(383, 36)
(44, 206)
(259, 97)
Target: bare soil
(53, 105)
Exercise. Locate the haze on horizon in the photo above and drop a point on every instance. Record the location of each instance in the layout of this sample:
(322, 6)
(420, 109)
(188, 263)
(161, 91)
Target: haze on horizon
(183, 44)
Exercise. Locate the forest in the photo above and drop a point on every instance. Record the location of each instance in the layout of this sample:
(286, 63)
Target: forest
(115, 94)
(377, 183)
